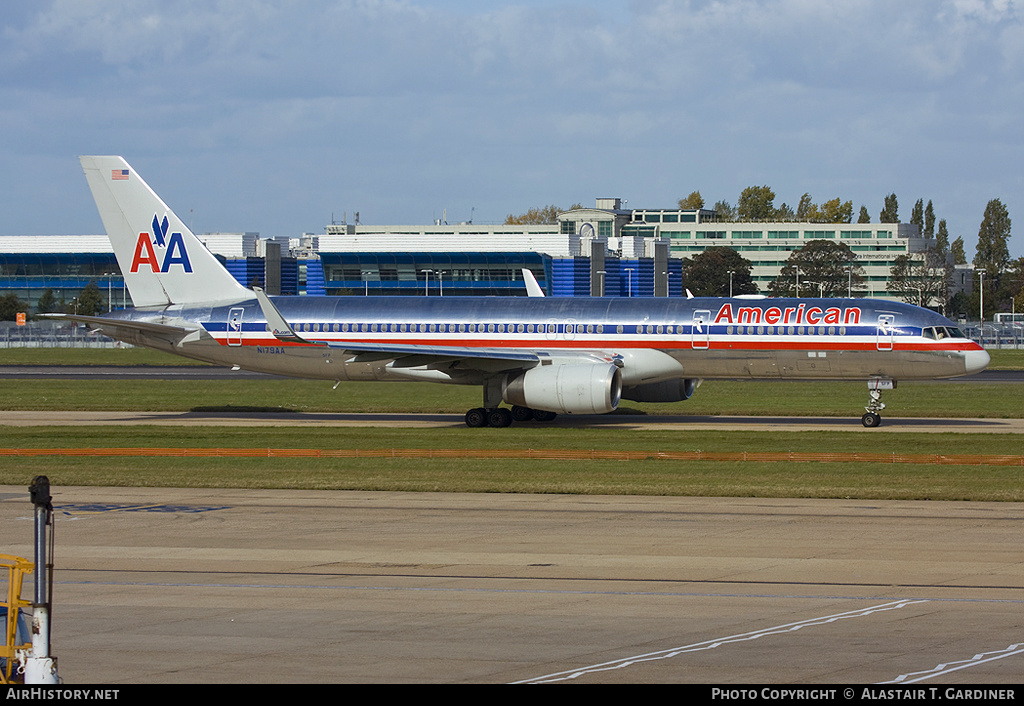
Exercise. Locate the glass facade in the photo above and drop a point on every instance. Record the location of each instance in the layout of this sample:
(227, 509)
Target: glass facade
(30, 275)
(450, 273)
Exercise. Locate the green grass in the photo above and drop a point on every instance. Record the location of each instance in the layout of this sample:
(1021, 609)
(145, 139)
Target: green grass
(704, 479)
(648, 477)
(714, 397)
(127, 355)
(640, 477)
(1006, 360)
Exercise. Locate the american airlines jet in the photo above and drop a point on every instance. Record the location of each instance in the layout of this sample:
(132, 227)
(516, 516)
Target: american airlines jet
(543, 356)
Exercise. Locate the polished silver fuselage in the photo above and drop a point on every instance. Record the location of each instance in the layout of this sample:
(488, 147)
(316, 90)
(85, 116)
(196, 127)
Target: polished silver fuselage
(654, 339)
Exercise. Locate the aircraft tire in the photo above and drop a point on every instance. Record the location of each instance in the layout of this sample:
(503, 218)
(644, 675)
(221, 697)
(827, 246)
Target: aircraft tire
(542, 415)
(476, 417)
(871, 420)
(521, 414)
(499, 417)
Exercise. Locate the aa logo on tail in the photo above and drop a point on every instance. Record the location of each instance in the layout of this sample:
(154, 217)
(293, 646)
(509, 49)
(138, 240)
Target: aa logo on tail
(173, 247)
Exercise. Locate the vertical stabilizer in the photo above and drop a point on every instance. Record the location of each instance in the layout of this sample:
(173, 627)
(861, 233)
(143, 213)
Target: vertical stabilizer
(162, 261)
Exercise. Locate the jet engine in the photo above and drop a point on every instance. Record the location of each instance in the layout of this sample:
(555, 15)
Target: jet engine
(570, 388)
(675, 390)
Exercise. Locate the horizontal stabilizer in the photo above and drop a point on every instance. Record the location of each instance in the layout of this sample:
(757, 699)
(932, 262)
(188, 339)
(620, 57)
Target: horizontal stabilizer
(125, 330)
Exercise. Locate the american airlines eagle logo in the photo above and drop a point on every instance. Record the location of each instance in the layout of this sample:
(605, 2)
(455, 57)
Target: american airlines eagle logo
(173, 248)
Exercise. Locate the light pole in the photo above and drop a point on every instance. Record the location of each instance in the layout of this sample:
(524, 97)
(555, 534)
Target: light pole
(426, 282)
(110, 283)
(730, 283)
(981, 291)
(629, 276)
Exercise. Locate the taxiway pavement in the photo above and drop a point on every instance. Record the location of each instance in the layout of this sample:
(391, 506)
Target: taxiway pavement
(233, 586)
(621, 421)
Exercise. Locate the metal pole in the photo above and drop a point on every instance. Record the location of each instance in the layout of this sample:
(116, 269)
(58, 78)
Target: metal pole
(981, 291)
(40, 667)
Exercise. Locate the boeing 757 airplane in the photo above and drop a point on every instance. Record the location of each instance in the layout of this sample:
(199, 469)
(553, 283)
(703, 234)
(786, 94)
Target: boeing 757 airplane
(542, 355)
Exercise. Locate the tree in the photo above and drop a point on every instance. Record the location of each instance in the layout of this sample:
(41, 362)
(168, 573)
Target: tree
(48, 303)
(993, 253)
(917, 215)
(10, 306)
(890, 211)
(1016, 284)
(824, 267)
(785, 213)
(864, 216)
(921, 278)
(835, 212)
(942, 238)
(929, 220)
(535, 216)
(692, 202)
(757, 203)
(957, 248)
(707, 274)
(725, 211)
(89, 301)
(803, 209)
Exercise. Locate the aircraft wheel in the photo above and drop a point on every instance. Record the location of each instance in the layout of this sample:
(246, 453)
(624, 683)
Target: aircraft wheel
(542, 415)
(521, 414)
(871, 420)
(499, 417)
(476, 417)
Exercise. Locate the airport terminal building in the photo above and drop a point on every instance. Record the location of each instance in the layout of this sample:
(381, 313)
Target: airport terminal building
(606, 250)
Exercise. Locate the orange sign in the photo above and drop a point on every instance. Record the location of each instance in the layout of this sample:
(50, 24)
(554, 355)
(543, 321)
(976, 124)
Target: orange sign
(21, 318)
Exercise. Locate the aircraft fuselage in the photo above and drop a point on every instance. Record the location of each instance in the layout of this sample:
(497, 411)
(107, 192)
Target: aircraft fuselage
(826, 339)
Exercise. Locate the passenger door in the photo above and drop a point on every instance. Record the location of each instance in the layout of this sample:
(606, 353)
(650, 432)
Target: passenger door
(235, 326)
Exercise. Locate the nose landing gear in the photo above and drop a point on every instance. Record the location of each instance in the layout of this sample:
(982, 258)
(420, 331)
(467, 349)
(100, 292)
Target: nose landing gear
(871, 417)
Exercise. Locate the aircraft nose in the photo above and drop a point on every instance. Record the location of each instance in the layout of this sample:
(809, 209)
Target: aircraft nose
(976, 361)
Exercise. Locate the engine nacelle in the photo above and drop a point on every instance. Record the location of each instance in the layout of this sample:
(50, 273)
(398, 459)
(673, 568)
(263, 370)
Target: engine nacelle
(665, 391)
(569, 388)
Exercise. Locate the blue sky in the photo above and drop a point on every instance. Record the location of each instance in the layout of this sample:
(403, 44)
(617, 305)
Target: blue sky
(277, 116)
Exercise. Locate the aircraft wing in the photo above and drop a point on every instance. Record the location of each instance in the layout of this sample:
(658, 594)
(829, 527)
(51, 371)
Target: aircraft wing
(404, 355)
(410, 356)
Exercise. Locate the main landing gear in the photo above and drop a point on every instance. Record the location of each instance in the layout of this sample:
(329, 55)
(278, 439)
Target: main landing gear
(871, 417)
(502, 417)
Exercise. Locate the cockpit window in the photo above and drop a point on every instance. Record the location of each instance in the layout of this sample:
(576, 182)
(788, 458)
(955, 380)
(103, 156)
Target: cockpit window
(937, 333)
